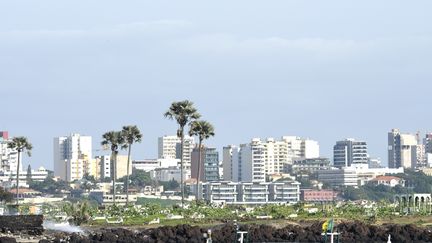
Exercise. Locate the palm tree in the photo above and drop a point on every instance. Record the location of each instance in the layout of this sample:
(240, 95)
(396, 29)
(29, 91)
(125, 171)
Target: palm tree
(203, 130)
(20, 144)
(183, 112)
(131, 134)
(114, 139)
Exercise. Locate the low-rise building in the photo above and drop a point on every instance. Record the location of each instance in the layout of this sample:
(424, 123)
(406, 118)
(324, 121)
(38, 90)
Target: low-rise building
(107, 199)
(339, 177)
(309, 165)
(254, 193)
(390, 181)
(317, 196)
(170, 173)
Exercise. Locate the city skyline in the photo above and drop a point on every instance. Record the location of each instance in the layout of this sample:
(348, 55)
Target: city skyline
(328, 71)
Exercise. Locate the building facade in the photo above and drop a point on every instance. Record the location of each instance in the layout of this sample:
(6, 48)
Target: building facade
(350, 152)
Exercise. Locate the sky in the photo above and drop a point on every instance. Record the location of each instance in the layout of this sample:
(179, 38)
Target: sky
(326, 70)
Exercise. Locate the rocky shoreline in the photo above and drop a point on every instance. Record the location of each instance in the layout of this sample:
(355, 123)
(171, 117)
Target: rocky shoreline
(351, 231)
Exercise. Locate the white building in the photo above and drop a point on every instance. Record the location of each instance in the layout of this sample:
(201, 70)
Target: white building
(71, 154)
(169, 148)
(251, 193)
(8, 157)
(170, 173)
(8, 178)
(339, 177)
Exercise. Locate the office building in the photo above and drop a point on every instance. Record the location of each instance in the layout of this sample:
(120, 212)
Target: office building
(350, 152)
(71, 154)
(402, 149)
(209, 170)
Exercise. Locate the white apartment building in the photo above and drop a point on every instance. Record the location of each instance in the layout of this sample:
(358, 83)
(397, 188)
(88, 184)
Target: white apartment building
(248, 164)
(269, 157)
(169, 148)
(71, 155)
(251, 193)
(8, 178)
(8, 157)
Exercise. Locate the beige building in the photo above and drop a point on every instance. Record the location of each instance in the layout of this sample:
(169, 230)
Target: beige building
(104, 166)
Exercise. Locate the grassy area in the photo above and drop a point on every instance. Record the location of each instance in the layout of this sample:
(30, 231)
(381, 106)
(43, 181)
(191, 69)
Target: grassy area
(162, 202)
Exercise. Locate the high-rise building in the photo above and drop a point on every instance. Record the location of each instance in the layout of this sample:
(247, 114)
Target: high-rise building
(427, 141)
(209, 164)
(279, 153)
(8, 157)
(227, 162)
(350, 152)
(169, 148)
(72, 154)
(248, 162)
(402, 149)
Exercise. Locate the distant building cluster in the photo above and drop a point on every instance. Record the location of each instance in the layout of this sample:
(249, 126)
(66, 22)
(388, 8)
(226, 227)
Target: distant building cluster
(256, 172)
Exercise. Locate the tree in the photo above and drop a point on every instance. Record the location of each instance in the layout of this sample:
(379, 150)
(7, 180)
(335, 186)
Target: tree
(5, 195)
(203, 130)
(20, 144)
(114, 139)
(131, 135)
(183, 112)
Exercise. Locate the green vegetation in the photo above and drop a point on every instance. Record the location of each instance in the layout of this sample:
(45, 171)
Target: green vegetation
(416, 182)
(50, 186)
(162, 202)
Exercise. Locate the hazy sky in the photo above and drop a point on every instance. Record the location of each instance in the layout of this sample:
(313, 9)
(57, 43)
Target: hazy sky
(320, 69)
